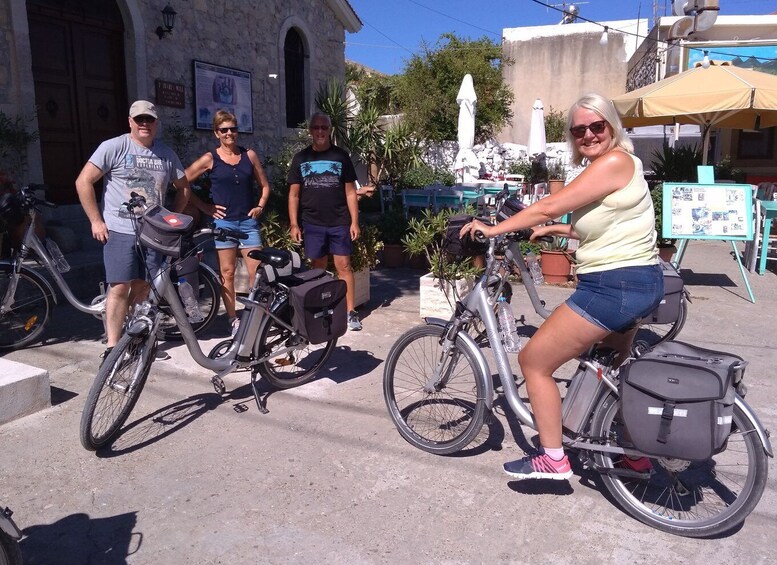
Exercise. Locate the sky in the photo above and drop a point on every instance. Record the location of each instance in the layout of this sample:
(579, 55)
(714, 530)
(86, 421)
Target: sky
(394, 30)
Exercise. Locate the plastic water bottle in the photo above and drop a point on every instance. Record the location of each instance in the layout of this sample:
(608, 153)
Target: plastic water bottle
(56, 255)
(534, 269)
(510, 338)
(186, 293)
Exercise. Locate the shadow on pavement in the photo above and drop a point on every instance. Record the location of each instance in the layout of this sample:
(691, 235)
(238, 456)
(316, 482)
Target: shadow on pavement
(77, 539)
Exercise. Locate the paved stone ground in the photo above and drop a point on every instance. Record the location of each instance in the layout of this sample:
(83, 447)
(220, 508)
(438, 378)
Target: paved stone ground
(324, 476)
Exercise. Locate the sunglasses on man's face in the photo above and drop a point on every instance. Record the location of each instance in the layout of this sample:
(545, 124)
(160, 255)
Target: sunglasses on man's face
(595, 127)
(232, 129)
(141, 120)
(320, 128)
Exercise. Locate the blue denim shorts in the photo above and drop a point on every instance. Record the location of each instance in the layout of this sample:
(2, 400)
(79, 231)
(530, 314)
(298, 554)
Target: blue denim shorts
(249, 227)
(321, 241)
(617, 298)
(123, 261)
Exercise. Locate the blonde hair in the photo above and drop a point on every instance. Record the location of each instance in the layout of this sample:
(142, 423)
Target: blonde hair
(222, 116)
(602, 106)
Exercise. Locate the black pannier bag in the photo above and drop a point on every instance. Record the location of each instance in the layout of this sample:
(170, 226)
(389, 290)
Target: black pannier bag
(457, 247)
(510, 208)
(677, 400)
(318, 306)
(668, 310)
(164, 231)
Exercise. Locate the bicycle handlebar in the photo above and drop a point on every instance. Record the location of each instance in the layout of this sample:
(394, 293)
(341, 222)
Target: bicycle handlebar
(29, 199)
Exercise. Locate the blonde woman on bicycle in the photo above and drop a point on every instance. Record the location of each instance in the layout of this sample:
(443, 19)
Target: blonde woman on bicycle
(619, 279)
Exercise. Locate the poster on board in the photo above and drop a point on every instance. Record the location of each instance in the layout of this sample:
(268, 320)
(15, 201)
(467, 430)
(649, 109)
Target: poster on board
(707, 211)
(222, 88)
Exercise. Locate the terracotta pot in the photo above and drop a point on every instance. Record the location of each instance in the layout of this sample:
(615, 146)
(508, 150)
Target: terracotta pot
(393, 255)
(666, 252)
(556, 266)
(555, 185)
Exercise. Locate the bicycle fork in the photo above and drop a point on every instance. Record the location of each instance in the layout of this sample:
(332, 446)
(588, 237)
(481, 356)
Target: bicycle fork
(448, 358)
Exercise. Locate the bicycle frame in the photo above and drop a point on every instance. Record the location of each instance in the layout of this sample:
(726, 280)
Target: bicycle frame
(30, 241)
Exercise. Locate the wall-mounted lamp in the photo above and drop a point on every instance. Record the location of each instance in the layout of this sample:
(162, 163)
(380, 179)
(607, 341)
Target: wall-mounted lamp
(272, 76)
(168, 19)
(604, 38)
(706, 61)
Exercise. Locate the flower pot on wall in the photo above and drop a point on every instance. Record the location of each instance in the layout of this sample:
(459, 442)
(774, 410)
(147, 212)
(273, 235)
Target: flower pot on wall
(554, 185)
(393, 255)
(556, 266)
(437, 298)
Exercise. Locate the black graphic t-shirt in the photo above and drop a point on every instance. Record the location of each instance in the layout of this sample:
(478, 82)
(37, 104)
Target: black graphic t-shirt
(322, 176)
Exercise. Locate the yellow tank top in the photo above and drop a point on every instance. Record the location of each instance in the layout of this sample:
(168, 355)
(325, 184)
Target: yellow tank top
(618, 230)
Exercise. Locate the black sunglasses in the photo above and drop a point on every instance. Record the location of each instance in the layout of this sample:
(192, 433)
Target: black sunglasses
(595, 127)
(322, 128)
(140, 120)
(232, 129)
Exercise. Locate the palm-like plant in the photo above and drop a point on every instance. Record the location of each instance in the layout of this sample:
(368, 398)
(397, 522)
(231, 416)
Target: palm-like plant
(332, 100)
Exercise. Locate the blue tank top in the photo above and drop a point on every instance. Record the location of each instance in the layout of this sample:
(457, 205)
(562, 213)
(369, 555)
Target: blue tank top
(232, 185)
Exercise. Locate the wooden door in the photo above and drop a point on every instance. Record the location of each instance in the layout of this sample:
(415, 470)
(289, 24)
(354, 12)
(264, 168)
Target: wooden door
(80, 92)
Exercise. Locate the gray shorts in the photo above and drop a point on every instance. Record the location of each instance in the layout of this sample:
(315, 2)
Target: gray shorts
(124, 260)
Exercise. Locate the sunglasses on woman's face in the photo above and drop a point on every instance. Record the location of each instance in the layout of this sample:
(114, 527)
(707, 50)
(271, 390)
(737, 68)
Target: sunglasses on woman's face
(595, 127)
(232, 129)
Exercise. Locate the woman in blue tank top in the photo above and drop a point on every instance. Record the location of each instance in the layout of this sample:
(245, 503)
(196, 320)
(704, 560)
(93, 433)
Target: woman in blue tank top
(232, 171)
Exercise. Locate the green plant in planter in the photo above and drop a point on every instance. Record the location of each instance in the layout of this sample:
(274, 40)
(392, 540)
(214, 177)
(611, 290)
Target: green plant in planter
(521, 167)
(676, 164)
(658, 206)
(557, 243)
(276, 233)
(419, 177)
(557, 170)
(425, 237)
(393, 225)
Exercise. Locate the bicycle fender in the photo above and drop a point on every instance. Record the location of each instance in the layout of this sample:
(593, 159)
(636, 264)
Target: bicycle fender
(483, 368)
(763, 435)
(43, 281)
(7, 524)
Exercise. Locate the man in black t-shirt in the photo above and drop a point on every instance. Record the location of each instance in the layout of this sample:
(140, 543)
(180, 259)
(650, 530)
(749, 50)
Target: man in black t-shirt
(323, 206)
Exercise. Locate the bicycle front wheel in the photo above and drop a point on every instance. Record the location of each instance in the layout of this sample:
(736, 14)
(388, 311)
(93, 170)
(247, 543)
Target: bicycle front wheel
(292, 368)
(436, 400)
(27, 317)
(687, 498)
(653, 334)
(116, 389)
(208, 301)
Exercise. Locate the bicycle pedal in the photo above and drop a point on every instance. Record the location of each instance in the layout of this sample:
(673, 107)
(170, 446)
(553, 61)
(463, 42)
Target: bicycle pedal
(218, 384)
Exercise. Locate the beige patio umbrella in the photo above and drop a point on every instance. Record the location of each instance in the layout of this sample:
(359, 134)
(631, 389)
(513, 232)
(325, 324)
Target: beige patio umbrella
(721, 96)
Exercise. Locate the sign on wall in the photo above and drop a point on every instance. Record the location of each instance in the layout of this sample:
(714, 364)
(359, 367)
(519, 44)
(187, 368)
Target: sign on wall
(707, 211)
(222, 88)
(170, 94)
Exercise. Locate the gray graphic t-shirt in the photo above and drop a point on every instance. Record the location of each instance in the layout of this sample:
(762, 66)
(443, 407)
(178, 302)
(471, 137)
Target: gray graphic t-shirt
(129, 167)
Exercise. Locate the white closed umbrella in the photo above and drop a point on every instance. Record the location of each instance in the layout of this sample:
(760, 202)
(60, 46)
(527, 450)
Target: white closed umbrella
(537, 143)
(466, 164)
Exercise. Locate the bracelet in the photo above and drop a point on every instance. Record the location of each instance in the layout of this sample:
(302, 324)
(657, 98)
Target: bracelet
(260, 206)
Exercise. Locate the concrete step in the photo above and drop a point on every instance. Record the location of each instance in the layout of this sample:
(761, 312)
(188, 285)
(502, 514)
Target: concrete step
(24, 389)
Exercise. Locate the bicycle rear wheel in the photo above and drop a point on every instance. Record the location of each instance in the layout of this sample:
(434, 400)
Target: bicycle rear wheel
(687, 498)
(296, 367)
(653, 334)
(116, 389)
(448, 417)
(209, 300)
(27, 318)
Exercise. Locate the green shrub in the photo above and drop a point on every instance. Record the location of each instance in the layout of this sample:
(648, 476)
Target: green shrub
(419, 177)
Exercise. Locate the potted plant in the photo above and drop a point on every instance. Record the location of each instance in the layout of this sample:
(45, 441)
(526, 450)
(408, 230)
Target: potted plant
(393, 226)
(666, 246)
(449, 277)
(557, 174)
(555, 261)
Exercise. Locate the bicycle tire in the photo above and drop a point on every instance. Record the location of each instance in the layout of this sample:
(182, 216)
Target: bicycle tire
(440, 422)
(10, 554)
(697, 499)
(108, 405)
(653, 334)
(31, 311)
(296, 367)
(209, 302)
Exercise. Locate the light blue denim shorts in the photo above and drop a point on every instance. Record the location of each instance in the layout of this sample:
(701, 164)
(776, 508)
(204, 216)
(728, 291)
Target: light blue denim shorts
(617, 298)
(249, 227)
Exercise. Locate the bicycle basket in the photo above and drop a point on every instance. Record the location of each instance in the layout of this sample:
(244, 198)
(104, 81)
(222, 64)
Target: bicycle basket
(164, 231)
(11, 212)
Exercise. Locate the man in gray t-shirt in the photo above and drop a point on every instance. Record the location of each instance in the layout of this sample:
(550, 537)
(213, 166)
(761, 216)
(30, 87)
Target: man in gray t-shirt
(132, 162)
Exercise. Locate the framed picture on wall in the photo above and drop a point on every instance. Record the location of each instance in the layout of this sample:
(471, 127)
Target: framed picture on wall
(222, 88)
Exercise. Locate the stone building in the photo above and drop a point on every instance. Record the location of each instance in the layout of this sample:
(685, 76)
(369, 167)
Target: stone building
(73, 66)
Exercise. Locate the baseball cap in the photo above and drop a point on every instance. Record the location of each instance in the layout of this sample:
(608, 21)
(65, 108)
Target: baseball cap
(142, 108)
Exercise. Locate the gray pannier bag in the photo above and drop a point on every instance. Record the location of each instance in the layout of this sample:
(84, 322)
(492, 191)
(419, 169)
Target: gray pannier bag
(677, 400)
(318, 303)
(668, 311)
(164, 231)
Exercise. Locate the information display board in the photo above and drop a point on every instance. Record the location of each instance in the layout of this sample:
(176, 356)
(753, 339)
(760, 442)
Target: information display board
(218, 87)
(707, 211)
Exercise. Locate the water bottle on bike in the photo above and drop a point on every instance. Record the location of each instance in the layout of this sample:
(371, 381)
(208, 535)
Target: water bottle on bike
(186, 292)
(510, 337)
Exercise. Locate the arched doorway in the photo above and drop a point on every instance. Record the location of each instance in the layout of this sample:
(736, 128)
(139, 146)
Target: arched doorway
(294, 71)
(77, 49)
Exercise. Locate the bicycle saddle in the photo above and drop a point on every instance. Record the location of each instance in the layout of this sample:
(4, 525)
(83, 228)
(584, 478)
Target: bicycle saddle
(278, 258)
